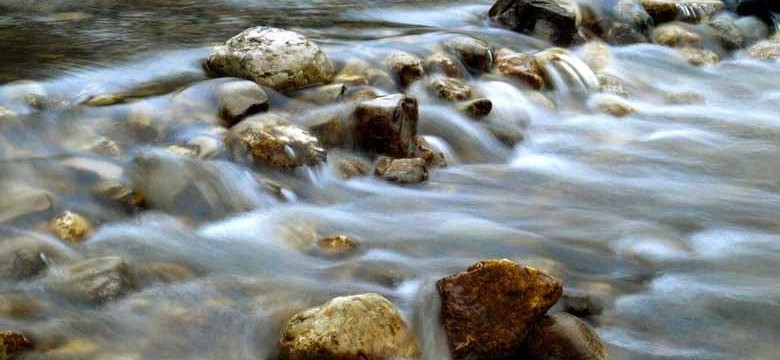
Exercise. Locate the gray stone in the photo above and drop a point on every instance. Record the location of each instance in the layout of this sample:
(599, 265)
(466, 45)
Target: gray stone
(98, 280)
(474, 53)
(555, 21)
(239, 99)
(403, 171)
(277, 58)
(25, 257)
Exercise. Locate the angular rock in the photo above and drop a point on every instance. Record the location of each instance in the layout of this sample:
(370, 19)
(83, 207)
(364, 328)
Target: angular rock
(71, 227)
(565, 337)
(274, 142)
(13, 343)
(239, 99)
(425, 151)
(443, 63)
(403, 171)
(488, 310)
(521, 66)
(450, 89)
(684, 10)
(359, 327)
(386, 125)
(277, 58)
(474, 53)
(555, 21)
(675, 35)
(25, 257)
(406, 66)
(765, 50)
(98, 280)
(699, 57)
(476, 108)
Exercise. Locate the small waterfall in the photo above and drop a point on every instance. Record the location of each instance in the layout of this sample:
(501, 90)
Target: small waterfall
(565, 71)
(695, 11)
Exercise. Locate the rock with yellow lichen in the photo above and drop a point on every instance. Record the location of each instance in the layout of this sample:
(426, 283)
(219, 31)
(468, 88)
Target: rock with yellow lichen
(71, 227)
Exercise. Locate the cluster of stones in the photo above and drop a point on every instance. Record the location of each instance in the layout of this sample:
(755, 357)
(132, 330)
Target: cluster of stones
(496, 309)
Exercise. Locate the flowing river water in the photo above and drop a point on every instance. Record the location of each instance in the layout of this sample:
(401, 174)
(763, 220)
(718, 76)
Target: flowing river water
(671, 214)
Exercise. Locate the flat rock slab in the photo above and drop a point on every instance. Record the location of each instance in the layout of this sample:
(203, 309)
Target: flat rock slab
(488, 310)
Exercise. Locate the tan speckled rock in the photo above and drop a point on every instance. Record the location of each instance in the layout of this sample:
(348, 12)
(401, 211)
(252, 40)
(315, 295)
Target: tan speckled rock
(277, 58)
(337, 245)
(71, 227)
(450, 89)
(441, 62)
(765, 50)
(488, 310)
(521, 66)
(274, 142)
(675, 35)
(612, 104)
(699, 57)
(359, 327)
(474, 53)
(13, 343)
(406, 66)
(403, 171)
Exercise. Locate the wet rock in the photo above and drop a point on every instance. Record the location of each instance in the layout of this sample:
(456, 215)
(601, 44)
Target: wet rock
(521, 66)
(474, 53)
(322, 95)
(765, 50)
(19, 201)
(359, 327)
(71, 227)
(443, 63)
(477, 108)
(613, 105)
(618, 33)
(386, 125)
(274, 142)
(581, 303)
(727, 32)
(20, 306)
(488, 310)
(337, 245)
(179, 150)
(13, 343)
(73, 349)
(359, 72)
(684, 10)
(425, 151)
(105, 146)
(119, 192)
(348, 166)
(632, 12)
(611, 84)
(567, 67)
(563, 336)
(98, 280)
(555, 21)
(597, 55)
(684, 98)
(675, 35)
(403, 171)
(277, 58)
(25, 257)
(331, 130)
(699, 57)
(105, 100)
(6, 114)
(407, 67)
(165, 272)
(239, 99)
(507, 133)
(450, 89)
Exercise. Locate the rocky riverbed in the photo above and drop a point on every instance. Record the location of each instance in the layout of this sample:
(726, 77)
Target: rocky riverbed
(344, 180)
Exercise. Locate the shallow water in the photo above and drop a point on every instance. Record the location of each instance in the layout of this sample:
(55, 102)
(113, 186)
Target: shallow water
(671, 214)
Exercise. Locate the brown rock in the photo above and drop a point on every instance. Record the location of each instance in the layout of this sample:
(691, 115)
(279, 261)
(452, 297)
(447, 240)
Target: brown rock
(403, 171)
(475, 53)
(581, 303)
(675, 35)
(20, 306)
(488, 310)
(521, 66)
(337, 245)
(359, 327)
(476, 108)
(552, 20)
(443, 63)
(321, 95)
(699, 57)
(765, 50)
(386, 125)
(71, 227)
(98, 280)
(349, 166)
(450, 89)
(407, 67)
(563, 337)
(13, 343)
(275, 143)
(669, 10)
(425, 151)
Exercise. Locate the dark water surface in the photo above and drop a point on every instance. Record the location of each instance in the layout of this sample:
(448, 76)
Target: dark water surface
(671, 214)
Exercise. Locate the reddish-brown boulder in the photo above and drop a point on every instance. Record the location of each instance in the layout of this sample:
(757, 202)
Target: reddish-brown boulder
(13, 343)
(386, 125)
(488, 310)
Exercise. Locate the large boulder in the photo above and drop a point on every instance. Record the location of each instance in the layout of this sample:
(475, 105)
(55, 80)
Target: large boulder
(488, 310)
(359, 327)
(277, 58)
(98, 280)
(563, 337)
(555, 21)
(386, 125)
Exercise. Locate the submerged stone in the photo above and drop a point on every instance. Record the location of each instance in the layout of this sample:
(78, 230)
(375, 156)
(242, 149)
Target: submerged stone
(488, 310)
(563, 337)
(474, 53)
(25, 257)
(239, 99)
(277, 58)
(521, 66)
(98, 280)
(13, 343)
(403, 171)
(406, 66)
(359, 327)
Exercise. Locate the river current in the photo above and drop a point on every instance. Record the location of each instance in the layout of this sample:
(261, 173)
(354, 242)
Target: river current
(670, 214)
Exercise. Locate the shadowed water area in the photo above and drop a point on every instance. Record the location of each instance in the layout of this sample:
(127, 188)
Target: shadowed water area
(670, 215)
